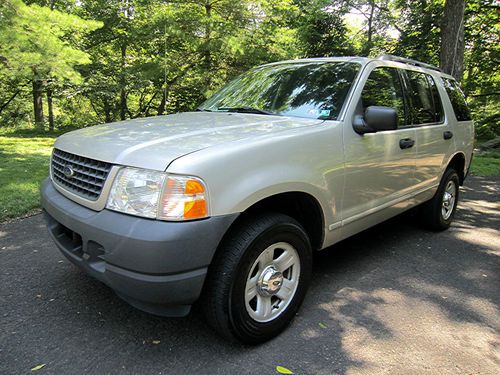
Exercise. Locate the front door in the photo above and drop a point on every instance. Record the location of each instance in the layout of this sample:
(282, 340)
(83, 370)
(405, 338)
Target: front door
(379, 167)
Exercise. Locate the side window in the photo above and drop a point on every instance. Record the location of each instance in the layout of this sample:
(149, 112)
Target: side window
(383, 88)
(423, 96)
(438, 104)
(457, 99)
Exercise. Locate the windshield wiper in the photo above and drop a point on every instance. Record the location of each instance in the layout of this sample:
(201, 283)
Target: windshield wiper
(246, 110)
(203, 110)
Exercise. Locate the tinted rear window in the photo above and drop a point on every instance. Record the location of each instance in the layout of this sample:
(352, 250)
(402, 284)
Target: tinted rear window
(457, 99)
(425, 102)
(438, 104)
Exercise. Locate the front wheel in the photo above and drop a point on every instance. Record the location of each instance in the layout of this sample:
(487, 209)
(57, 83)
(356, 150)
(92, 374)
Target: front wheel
(438, 213)
(258, 279)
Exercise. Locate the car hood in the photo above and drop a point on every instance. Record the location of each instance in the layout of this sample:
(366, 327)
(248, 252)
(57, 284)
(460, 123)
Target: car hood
(154, 142)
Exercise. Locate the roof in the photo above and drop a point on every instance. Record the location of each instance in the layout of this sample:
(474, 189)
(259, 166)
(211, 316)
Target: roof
(359, 59)
(363, 61)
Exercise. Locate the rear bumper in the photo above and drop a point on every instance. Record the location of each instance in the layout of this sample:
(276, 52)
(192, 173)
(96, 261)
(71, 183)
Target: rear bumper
(156, 266)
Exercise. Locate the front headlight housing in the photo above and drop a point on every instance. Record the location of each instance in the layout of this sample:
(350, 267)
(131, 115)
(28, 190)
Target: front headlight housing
(158, 195)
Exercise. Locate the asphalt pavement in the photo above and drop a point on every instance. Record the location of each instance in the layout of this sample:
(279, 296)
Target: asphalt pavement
(395, 299)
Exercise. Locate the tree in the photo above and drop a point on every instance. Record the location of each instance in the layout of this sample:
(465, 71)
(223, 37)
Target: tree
(153, 57)
(481, 80)
(452, 38)
(36, 45)
(419, 25)
(378, 20)
(321, 28)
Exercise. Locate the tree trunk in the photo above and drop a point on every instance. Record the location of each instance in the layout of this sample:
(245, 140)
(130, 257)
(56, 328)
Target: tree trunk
(107, 111)
(369, 39)
(123, 104)
(51, 108)
(4, 105)
(37, 101)
(452, 38)
(207, 53)
(163, 102)
(208, 34)
(123, 94)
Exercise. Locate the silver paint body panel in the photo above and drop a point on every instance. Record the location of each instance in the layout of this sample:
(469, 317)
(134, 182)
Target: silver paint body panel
(358, 180)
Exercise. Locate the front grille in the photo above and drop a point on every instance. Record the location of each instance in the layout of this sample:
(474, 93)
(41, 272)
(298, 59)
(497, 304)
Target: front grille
(88, 175)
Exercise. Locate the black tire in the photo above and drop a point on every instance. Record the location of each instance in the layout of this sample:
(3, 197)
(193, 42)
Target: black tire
(223, 298)
(431, 213)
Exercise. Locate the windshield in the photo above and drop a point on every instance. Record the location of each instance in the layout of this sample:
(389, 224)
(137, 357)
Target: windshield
(311, 90)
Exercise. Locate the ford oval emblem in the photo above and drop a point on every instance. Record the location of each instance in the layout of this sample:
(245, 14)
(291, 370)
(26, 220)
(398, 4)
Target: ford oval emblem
(68, 171)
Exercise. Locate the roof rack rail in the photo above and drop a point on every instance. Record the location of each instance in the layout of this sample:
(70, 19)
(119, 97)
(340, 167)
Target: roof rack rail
(408, 61)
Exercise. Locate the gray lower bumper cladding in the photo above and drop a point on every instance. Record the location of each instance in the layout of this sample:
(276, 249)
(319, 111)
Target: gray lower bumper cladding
(156, 266)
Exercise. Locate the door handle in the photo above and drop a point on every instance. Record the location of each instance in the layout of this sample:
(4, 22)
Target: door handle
(406, 143)
(447, 135)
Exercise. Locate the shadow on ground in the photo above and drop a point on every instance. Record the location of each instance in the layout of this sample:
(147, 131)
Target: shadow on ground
(394, 299)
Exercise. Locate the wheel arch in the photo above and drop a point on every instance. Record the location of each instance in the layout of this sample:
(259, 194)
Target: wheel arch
(299, 205)
(457, 162)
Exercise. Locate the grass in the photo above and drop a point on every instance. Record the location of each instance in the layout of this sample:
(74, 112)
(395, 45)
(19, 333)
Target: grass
(486, 164)
(24, 163)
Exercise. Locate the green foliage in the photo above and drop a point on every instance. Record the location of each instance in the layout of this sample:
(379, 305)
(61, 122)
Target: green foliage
(482, 72)
(39, 47)
(24, 163)
(419, 24)
(322, 30)
(487, 119)
(111, 59)
(486, 164)
(107, 60)
(35, 40)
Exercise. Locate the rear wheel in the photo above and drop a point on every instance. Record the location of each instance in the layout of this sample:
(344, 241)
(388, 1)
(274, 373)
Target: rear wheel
(258, 279)
(438, 213)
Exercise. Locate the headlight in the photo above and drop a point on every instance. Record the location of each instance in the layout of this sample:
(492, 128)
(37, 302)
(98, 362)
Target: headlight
(158, 195)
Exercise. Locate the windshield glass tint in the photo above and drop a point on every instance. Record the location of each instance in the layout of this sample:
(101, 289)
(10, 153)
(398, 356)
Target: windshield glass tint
(312, 90)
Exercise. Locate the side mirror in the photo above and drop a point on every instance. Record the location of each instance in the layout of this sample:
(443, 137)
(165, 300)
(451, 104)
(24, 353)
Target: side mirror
(376, 119)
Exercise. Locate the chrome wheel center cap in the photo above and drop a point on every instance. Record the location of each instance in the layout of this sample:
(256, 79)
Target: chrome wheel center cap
(446, 199)
(270, 281)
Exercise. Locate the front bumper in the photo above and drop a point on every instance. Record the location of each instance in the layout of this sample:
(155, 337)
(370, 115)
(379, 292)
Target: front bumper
(156, 266)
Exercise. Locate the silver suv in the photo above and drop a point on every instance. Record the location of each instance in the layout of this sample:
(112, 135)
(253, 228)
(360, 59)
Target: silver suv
(225, 205)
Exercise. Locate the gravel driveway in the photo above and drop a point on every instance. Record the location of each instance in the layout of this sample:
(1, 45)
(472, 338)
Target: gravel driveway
(395, 299)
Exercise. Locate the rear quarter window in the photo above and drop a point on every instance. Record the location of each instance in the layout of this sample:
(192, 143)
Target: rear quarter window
(457, 99)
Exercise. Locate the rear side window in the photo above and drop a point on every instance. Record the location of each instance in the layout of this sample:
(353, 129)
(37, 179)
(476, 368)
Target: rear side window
(457, 99)
(426, 105)
(438, 104)
(383, 88)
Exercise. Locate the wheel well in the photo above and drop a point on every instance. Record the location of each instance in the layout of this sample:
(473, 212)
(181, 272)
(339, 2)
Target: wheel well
(458, 164)
(301, 206)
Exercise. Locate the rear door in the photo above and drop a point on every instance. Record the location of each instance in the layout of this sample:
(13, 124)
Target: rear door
(434, 135)
(459, 117)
